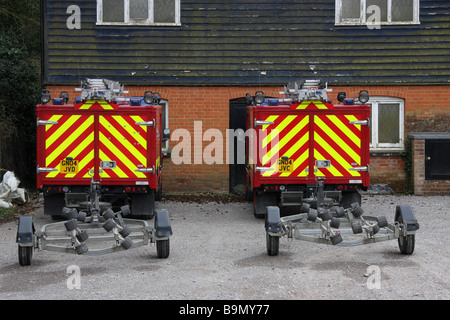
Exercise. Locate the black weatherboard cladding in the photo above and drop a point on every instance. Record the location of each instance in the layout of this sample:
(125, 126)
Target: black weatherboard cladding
(247, 42)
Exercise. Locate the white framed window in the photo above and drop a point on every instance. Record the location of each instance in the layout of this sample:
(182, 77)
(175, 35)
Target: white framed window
(376, 12)
(387, 125)
(138, 12)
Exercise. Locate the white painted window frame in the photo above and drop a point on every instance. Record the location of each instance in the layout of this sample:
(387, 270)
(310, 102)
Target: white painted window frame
(375, 145)
(362, 21)
(138, 22)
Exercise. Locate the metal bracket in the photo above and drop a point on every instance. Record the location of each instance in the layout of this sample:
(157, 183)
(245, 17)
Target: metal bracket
(45, 122)
(262, 122)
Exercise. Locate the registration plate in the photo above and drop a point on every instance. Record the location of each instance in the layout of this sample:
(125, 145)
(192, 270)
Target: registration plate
(285, 165)
(68, 166)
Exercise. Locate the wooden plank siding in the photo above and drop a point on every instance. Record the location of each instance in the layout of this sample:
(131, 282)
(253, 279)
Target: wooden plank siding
(247, 42)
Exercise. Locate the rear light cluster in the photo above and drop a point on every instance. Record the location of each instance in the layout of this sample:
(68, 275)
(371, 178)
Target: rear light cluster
(347, 187)
(135, 189)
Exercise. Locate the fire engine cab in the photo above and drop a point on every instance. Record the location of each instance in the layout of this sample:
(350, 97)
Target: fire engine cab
(304, 149)
(102, 137)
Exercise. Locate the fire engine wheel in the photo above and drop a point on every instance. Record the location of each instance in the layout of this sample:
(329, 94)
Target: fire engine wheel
(82, 236)
(163, 248)
(71, 225)
(25, 255)
(272, 244)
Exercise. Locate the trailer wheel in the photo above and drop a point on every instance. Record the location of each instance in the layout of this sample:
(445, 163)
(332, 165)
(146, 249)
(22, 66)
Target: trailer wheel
(406, 243)
(25, 255)
(272, 244)
(163, 248)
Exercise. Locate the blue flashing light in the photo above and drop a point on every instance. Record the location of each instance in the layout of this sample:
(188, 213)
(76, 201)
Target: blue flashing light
(58, 101)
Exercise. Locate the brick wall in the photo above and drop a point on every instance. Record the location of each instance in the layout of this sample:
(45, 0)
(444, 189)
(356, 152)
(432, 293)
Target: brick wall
(423, 107)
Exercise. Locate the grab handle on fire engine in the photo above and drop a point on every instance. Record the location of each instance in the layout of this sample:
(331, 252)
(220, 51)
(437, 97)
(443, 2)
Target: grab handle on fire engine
(146, 170)
(44, 169)
(45, 122)
(262, 122)
(361, 122)
(146, 123)
(263, 169)
(366, 168)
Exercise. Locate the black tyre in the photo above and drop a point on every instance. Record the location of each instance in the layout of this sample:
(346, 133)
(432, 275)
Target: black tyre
(382, 221)
(81, 248)
(312, 216)
(127, 243)
(71, 225)
(163, 248)
(125, 232)
(272, 244)
(357, 211)
(335, 222)
(82, 216)
(25, 255)
(82, 236)
(406, 243)
(69, 213)
(125, 210)
(305, 207)
(357, 227)
(108, 214)
(335, 239)
(109, 225)
(340, 212)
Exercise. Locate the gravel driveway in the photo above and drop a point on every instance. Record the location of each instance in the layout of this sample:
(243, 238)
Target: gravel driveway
(218, 251)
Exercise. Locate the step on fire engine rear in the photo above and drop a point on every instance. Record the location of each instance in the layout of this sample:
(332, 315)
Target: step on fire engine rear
(307, 155)
(99, 161)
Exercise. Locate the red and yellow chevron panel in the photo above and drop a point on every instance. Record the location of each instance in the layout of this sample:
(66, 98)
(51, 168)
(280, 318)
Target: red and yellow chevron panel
(123, 141)
(287, 137)
(96, 105)
(72, 137)
(337, 140)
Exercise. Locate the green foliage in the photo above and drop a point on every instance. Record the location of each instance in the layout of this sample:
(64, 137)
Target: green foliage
(19, 85)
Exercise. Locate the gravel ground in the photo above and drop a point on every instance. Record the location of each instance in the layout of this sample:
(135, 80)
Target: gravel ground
(218, 252)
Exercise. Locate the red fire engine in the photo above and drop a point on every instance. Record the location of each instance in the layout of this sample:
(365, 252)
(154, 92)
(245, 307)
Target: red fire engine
(302, 142)
(103, 136)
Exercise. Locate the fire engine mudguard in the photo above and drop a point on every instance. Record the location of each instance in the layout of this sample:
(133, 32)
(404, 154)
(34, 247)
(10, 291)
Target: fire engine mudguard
(143, 205)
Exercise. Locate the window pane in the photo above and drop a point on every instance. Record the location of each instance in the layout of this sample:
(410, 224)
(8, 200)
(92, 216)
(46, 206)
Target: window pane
(382, 4)
(164, 11)
(351, 9)
(113, 11)
(388, 123)
(402, 10)
(138, 9)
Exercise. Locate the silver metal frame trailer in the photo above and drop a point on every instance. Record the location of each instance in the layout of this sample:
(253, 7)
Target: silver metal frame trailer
(326, 225)
(97, 223)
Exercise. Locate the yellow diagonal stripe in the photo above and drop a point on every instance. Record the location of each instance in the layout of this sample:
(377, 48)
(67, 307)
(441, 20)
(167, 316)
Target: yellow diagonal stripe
(273, 133)
(63, 128)
(335, 137)
(55, 117)
(349, 133)
(75, 134)
(335, 155)
(108, 144)
(142, 159)
(88, 104)
(139, 119)
(306, 103)
(132, 132)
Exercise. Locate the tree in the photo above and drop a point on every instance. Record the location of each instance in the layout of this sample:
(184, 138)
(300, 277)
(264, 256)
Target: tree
(19, 86)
